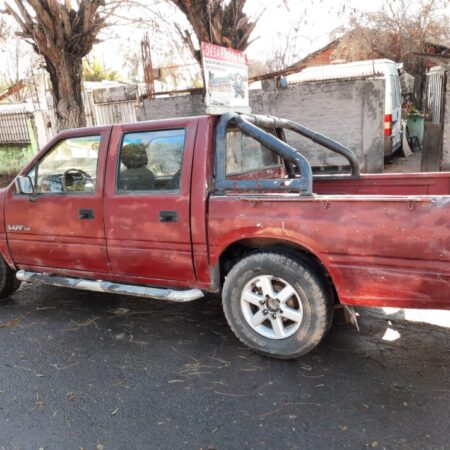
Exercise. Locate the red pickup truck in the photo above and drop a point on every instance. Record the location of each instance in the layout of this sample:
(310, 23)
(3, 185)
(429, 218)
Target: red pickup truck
(171, 209)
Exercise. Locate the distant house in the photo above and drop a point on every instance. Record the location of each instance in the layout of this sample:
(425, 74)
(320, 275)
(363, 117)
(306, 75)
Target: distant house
(323, 56)
(332, 53)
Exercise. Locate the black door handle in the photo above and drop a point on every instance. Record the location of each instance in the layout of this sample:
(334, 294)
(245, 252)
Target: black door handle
(86, 214)
(168, 216)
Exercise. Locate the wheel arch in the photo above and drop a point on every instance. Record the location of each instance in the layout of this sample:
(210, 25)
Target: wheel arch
(241, 248)
(6, 255)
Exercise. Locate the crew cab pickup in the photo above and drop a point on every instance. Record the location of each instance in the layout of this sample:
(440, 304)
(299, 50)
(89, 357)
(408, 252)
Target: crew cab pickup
(174, 209)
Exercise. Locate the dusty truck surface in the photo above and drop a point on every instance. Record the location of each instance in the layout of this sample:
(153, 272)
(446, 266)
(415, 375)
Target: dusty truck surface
(173, 209)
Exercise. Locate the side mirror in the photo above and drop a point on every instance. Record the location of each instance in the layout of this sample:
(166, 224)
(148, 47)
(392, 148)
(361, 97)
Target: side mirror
(25, 186)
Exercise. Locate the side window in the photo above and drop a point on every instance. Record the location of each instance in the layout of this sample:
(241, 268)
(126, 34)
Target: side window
(71, 167)
(394, 92)
(245, 155)
(151, 161)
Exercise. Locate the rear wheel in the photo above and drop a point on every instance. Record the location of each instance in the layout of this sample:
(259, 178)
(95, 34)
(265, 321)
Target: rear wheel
(8, 281)
(276, 304)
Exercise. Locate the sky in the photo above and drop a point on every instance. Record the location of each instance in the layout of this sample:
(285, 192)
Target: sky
(315, 21)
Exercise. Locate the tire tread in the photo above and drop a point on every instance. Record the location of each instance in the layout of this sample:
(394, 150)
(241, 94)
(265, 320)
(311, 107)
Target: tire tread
(323, 310)
(8, 281)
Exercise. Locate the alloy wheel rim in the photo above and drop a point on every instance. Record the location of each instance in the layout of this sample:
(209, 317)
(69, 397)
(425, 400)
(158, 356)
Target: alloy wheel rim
(271, 307)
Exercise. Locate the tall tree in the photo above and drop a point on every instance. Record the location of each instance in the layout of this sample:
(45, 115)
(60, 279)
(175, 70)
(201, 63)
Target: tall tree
(63, 32)
(219, 22)
(397, 31)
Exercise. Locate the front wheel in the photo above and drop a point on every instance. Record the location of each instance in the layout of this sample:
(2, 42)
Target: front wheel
(8, 281)
(276, 304)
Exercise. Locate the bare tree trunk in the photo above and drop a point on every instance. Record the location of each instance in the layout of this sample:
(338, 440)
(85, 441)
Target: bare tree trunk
(66, 80)
(63, 32)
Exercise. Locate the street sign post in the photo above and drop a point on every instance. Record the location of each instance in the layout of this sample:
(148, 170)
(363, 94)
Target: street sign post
(226, 79)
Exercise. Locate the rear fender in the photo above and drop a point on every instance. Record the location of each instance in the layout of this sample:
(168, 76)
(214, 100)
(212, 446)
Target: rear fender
(296, 247)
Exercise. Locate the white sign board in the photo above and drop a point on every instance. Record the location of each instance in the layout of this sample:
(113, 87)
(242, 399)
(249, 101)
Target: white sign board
(226, 78)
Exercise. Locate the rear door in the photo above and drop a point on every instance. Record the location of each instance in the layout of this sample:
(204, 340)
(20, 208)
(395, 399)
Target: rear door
(396, 111)
(147, 202)
(61, 230)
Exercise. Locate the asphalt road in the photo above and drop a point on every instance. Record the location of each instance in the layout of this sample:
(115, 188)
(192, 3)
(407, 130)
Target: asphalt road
(92, 371)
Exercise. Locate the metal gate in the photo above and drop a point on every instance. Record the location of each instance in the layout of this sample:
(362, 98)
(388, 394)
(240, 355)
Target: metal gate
(434, 119)
(115, 112)
(435, 89)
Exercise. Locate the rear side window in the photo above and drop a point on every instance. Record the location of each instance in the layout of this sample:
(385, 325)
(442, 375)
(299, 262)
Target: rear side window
(151, 161)
(246, 155)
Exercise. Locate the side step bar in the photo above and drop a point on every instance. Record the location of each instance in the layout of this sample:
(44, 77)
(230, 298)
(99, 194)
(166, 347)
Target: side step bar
(112, 288)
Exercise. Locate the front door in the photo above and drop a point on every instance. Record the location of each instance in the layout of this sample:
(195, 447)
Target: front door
(147, 203)
(61, 230)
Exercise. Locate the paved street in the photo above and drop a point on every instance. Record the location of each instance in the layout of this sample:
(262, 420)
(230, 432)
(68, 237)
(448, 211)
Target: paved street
(92, 371)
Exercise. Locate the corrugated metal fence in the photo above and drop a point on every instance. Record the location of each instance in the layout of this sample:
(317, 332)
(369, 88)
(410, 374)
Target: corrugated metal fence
(14, 124)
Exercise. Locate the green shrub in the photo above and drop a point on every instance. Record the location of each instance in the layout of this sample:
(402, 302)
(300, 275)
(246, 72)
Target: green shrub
(13, 158)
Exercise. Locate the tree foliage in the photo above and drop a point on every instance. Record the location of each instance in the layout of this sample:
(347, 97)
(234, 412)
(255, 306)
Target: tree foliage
(218, 22)
(96, 71)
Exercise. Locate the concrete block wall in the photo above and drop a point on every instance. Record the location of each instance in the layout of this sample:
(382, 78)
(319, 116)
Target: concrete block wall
(168, 107)
(446, 138)
(348, 111)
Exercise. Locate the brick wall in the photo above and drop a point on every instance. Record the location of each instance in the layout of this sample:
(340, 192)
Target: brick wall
(349, 111)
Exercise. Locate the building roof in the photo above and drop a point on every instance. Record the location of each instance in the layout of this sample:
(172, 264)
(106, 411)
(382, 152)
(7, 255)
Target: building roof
(325, 55)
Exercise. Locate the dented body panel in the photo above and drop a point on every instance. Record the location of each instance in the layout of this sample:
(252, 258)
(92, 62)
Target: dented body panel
(377, 250)
(383, 240)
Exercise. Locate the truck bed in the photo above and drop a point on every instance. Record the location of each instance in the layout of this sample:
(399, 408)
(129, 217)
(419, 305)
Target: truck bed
(387, 184)
(384, 239)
